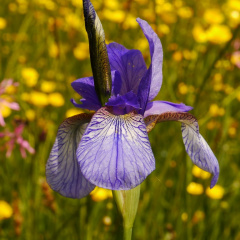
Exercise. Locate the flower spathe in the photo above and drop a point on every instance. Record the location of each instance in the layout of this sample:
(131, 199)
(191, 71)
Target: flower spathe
(110, 148)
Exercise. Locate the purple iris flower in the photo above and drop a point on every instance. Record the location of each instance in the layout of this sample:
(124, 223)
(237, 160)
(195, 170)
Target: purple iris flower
(110, 148)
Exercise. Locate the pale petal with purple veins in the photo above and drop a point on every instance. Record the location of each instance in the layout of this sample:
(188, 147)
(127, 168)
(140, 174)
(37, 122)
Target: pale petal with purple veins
(115, 152)
(198, 149)
(63, 172)
(195, 145)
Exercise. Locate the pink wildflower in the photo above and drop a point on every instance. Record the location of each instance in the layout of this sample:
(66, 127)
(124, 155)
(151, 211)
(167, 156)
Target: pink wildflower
(16, 138)
(4, 102)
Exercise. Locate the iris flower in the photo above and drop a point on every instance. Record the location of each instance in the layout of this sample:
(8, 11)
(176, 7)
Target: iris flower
(110, 148)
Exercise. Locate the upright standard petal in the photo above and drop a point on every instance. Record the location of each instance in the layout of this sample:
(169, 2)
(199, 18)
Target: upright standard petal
(155, 70)
(195, 145)
(98, 53)
(63, 172)
(129, 63)
(115, 152)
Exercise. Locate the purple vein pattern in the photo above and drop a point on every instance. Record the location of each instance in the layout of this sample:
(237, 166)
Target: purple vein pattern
(62, 170)
(195, 145)
(115, 152)
(198, 149)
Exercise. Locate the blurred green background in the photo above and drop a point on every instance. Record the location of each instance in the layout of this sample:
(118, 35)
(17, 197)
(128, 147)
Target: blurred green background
(43, 48)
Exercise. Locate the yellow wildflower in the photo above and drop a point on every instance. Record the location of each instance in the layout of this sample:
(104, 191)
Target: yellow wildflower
(73, 111)
(115, 16)
(81, 52)
(130, 22)
(73, 20)
(177, 56)
(56, 99)
(38, 99)
(213, 110)
(30, 76)
(5, 111)
(188, 55)
(219, 34)
(232, 131)
(100, 194)
(169, 17)
(182, 88)
(12, 7)
(234, 5)
(195, 188)
(163, 28)
(199, 173)
(30, 115)
(184, 217)
(228, 89)
(216, 192)
(199, 34)
(53, 50)
(141, 44)
(113, 4)
(5, 210)
(77, 3)
(217, 77)
(185, 12)
(178, 3)
(213, 16)
(48, 86)
(3, 23)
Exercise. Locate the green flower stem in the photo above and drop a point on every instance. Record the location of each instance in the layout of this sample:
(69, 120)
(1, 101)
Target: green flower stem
(127, 233)
(127, 203)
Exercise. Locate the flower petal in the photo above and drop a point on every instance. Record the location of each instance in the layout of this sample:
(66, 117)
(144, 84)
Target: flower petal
(85, 88)
(155, 70)
(62, 170)
(129, 63)
(124, 104)
(115, 152)
(159, 107)
(195, 145)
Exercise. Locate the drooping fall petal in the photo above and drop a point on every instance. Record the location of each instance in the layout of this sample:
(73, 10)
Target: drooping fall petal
(115, 152)
(195, 145)
(63, 172)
